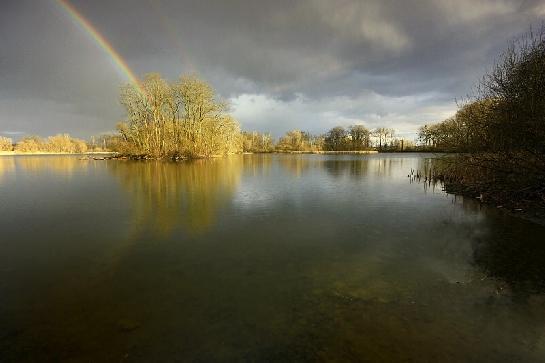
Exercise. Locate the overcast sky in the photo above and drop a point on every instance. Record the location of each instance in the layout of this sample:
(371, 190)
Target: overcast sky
(282, 64)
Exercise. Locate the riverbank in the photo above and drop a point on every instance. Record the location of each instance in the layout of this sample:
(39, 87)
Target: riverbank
(512, 184)
(504, 200)
(13, 153)
(144, 157)
(359, 152)
(319, 152)
(182, 158)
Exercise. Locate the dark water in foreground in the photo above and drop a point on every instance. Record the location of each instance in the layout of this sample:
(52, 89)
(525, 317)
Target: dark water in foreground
(260, 258)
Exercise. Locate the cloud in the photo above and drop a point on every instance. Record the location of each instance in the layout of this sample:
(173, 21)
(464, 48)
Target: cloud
(465, 11)
(263, 113)
(306, 64)
(540, 10)
(363, 22)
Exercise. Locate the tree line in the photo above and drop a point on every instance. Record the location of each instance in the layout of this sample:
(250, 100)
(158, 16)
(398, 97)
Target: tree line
(353, 138)
(500, 130)
(185, 119)
(61, 143)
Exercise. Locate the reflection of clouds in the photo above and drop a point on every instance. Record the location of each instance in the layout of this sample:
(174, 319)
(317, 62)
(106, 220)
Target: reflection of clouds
(258, 173)
(452, 240)
(373, 180)
(167, 195)
(252, 195)
(344, 254)
(452, 232)
(372, 166)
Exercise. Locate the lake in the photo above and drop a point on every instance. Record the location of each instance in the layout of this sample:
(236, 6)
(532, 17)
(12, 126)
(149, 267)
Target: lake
(260, 258)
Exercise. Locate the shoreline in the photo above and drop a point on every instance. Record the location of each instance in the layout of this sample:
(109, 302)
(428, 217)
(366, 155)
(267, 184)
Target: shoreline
(139, 157)
(36, 153)
(319, 152)
(348, 152)
(531, 211)
(362, 152)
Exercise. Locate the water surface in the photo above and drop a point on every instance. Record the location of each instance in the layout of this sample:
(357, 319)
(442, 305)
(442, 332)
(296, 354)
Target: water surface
(260, 258)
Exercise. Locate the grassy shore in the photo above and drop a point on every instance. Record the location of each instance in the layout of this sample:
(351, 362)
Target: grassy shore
(505, 200)
(513, 192)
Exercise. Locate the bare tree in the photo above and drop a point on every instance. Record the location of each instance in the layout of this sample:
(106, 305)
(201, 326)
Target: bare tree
(6, 144)
(359, 136)
(176, 119)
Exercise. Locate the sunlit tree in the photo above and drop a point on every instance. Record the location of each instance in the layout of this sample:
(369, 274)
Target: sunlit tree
(6, 144)
(171, 119)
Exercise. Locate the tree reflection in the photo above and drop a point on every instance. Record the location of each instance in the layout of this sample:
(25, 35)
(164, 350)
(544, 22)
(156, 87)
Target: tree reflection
(350, 167)
(7, 165)
(509, 250)
(347, 166)
(513, 251)
(296, 164)
(258, 164)
(167, 195)
(61, 165)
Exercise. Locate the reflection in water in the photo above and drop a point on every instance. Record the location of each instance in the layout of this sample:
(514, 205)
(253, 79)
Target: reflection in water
(507, 249)
(62, 165)
(287, 258)
(339, 166)
(257, 164)
(352, 168)
(7, 165)
(296, 164)
(509, 254)
(166, 195)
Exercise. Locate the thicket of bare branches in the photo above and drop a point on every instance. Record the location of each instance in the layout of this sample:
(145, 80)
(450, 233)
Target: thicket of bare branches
(352, 138)
(171, 119)
(6, 144)
(257, 142)
(502, 130)
(467, 131)
(62, 143)
(297, 140)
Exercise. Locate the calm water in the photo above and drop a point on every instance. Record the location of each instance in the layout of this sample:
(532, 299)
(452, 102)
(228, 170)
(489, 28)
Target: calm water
(260, 258)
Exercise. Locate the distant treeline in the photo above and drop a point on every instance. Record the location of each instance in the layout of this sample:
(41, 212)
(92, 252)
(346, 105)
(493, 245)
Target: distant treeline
(61, 143)
(501, 129)
(353, 138)
(184, 119)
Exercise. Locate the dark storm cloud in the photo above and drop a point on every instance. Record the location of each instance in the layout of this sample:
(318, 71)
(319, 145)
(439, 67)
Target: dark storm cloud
(283, 64)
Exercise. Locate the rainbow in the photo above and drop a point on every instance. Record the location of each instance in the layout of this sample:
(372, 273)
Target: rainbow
(93, 32)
